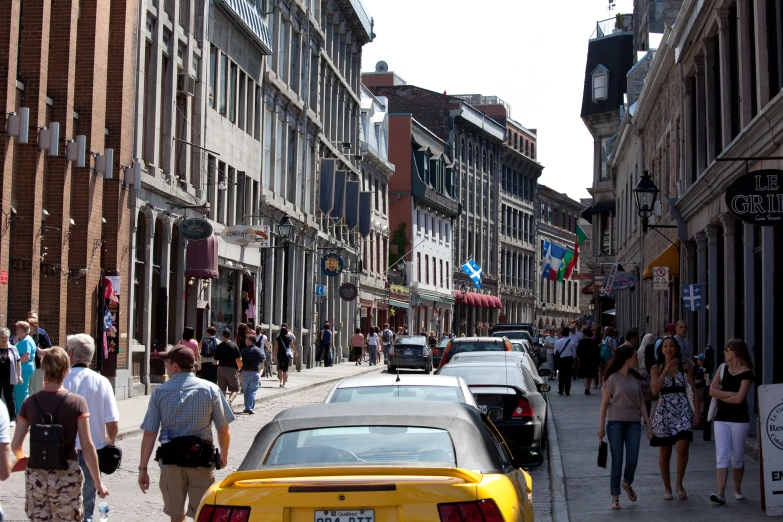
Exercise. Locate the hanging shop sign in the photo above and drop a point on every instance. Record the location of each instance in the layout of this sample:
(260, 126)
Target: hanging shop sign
(660, 278)
(246, 236)
(111, 314)
(364, 312)
(348, 292)
(623, 281)
(757, 197)
(609, 284)
(320, 290)
(195, 229)
(770, 401)
(332, 265)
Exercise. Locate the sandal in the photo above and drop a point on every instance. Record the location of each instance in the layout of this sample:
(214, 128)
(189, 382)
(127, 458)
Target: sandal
(615, 504)
(683, 494)
(631, 493)
(667, 495)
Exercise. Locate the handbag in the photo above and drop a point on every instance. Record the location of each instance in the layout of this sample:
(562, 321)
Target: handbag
(557, 355)
(603, 453)
(713, 411)
(109, 459)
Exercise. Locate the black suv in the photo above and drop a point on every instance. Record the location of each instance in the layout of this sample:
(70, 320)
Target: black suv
(410, 351)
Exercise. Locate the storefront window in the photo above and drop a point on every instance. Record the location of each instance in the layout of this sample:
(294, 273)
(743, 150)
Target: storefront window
(222, 303)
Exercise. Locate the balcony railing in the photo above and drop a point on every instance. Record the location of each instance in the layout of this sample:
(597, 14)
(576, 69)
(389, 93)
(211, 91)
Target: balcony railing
(364, 18)
(622, 23)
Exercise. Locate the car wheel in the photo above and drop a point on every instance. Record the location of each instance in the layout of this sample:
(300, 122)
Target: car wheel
(427, 369)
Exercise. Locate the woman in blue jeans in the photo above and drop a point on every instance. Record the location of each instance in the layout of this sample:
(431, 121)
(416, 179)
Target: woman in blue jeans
(621, 408)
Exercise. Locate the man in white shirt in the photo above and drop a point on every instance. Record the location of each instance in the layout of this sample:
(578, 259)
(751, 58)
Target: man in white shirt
(574, 334)
(565, 348)
(104, 415)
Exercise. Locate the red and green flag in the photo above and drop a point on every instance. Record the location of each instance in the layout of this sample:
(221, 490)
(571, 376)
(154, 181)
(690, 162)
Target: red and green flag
(571, 256)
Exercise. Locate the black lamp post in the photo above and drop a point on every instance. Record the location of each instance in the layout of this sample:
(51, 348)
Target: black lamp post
(646, 194)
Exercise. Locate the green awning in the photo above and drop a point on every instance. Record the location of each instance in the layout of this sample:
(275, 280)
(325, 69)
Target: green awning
(398, 304)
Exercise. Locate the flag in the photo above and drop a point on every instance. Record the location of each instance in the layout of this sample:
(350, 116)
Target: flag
(569, 262)
(474, 271)
(691, 297)
(553, 258)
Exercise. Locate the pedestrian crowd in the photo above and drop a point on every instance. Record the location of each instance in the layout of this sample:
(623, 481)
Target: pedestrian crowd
(660, 384)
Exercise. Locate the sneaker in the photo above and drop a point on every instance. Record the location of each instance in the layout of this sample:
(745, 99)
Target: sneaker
(718, 499)
(587, 392)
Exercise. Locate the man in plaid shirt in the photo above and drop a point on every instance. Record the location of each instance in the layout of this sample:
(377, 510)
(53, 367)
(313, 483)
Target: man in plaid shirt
(184, 406)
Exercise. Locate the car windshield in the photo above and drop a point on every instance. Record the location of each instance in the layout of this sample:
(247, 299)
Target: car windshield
(503, 375)
(398, 393)
(478, 346)
(443, 343)
(362, 446)
(407, 345)
(517, 346)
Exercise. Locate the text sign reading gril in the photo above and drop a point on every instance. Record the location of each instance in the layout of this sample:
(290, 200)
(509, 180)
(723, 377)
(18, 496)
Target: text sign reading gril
(757, 197)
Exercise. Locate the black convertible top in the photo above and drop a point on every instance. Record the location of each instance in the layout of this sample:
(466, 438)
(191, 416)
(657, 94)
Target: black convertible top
(473, 444)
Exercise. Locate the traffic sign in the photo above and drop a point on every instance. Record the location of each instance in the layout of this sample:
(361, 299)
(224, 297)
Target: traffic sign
(320, 290)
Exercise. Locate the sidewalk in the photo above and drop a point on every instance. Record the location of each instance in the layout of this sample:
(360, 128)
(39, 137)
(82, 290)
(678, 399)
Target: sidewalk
(585, 486)
(132, 410)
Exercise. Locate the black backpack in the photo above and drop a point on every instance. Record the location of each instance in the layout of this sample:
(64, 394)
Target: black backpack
(208, 346)
(47, 441)
(386, 336)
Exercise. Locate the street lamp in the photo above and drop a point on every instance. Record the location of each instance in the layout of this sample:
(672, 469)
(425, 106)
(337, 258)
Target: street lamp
(286, 229)
(646, 194)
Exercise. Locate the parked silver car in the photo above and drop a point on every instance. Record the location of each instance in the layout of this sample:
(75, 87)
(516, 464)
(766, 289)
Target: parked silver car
(390, 388)
(410, 351)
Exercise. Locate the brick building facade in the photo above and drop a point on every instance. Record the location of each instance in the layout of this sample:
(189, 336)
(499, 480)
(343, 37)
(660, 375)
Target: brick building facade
(71, 65)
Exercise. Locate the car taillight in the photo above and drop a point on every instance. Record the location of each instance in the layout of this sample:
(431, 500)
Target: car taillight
(481, 511)
(523, 410)
(435, 352)
(210, 513)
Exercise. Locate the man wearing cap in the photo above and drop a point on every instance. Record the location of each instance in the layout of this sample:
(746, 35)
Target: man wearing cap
(184, 409)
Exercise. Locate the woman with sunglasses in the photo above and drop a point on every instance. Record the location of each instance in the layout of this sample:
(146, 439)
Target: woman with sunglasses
(674, 421)
(731, 386)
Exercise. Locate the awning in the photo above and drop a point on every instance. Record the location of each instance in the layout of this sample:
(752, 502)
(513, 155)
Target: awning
(486, 301)
(458, 297)
(471, 299)
(497, 303)
(599, 207)
(589, 289)
(669, 257)
(398, 304)
(202, 258)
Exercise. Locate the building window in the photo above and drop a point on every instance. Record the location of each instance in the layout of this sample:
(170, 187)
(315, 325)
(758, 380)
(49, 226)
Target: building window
(427, 269)
(213, 72)
(232, 93)
(267, 173)
(222, 84)
(600, 83)
(418, 266)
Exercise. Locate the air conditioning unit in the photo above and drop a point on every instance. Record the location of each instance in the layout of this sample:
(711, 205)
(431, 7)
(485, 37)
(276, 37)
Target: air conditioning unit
(186, 84)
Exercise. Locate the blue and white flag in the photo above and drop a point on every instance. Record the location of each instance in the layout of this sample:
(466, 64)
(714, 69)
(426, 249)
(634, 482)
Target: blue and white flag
(691, 296)
(552, 259)
(474, 271)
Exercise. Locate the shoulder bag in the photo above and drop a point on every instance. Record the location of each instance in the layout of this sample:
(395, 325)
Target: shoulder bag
(713, 411)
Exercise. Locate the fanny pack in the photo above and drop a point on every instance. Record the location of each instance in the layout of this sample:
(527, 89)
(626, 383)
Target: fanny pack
(189, 452)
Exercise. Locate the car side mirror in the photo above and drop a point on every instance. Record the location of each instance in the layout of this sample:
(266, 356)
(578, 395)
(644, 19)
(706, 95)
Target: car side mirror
(543, 388)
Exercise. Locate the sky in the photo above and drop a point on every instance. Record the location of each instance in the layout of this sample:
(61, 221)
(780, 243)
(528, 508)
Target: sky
(530, 53)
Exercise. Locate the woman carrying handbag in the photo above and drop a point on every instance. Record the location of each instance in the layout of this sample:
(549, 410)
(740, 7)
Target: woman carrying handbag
(729, 411)
(621, 408)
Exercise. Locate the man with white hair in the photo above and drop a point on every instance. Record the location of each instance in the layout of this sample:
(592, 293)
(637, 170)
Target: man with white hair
(104, 416)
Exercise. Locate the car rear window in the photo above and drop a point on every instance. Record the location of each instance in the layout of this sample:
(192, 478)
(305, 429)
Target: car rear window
(362, 446)
(513, 335)
(517, 346)
(478, 346)
(398, 393)
(505, 375)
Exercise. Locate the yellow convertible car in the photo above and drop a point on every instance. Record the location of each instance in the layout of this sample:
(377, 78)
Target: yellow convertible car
(358, 462)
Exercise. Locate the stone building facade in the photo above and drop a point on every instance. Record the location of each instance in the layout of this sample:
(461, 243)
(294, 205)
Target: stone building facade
(65, 208)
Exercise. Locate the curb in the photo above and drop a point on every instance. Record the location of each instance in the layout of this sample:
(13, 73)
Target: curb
(556, 472)
(274, 395)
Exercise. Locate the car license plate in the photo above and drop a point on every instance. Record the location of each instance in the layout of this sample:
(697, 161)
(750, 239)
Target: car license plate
(407, 352)
(345, 515)
(484, 408)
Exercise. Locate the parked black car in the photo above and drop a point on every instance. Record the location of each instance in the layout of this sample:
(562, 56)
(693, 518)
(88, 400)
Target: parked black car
(506, 327)
(410, 351)
(507, 393)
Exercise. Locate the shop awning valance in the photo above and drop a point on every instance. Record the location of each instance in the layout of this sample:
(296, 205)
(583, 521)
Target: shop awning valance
(202, 258)
(669, 257)
(398, 304)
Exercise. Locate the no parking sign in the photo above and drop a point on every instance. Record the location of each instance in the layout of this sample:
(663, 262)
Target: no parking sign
(661, 278)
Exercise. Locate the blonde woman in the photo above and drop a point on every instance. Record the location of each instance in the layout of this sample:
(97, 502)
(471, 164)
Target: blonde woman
(51, 492)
